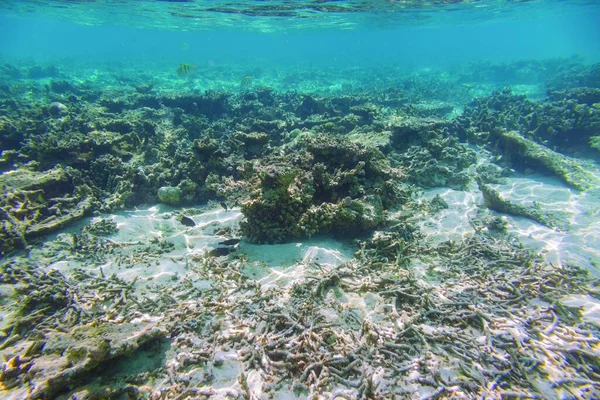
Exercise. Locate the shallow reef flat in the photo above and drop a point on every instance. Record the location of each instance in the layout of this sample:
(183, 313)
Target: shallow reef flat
(300, 236)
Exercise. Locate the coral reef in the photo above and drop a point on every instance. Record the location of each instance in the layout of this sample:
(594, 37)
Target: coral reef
(329, 184)
(101, 311)
(565, 123)
(434, 157)
(575, 75)
(123, 147)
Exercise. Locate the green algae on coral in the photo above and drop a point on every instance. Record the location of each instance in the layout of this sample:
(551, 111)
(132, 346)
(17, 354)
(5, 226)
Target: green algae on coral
(566, 168)
(565, 122)
(595, 142)
(67, 357)
(432, 157)
(36, 203)
(337, 186)
(495, 201)
(169, 195)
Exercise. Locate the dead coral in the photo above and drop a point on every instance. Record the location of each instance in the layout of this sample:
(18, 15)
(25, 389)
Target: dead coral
(494, 200)
(334, 185)
(568, 169)
(475, 333)
(67, 356)
(37, 203)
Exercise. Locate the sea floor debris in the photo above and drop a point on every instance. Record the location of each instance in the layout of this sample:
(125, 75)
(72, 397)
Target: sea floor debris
(481, 316)
(360, 243)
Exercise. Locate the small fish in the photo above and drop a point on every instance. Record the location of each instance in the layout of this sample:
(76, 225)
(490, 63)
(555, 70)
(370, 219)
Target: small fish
(246, 81)
(224, 205)
(187, 221)
(220, 251)
(186, 70)
(230, 242)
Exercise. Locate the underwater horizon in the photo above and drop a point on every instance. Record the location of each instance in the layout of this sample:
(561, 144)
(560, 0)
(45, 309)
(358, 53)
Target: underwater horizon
(400, 33)
(289, 199)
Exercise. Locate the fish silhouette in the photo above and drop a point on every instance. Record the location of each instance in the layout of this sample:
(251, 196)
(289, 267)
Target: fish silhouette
(246, 81)
(186, 70)
(224, 205)
(230, 242)
(220, 251)
(187, 221)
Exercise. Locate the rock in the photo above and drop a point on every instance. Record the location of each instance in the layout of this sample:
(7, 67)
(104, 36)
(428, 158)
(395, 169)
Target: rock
(568, 169)
(57, 109)
(37, 203)
(495, 201)
(219, 359)
(69, 356)
(169, 195)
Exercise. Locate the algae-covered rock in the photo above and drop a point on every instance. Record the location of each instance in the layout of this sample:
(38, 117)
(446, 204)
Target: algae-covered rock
(380, 140)
(339, 152)
(574, 76)
(566, 123)
(495, 201)
(57, 109)
(595, 142)
(68, 356)
(583, 95)
(437, 204)
(348, 218)
(26, 179)
(170, 195)
(330, 185)
(252, 143)
(205, 147)
(283, 194)
(10, 134)
(36, 203)
(359, 216)
(566, 168)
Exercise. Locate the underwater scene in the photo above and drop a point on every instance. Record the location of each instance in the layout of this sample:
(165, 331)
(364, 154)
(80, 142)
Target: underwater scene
(287, 199)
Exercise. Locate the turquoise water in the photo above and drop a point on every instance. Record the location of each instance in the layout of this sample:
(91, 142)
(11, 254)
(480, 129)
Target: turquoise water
(149, 32)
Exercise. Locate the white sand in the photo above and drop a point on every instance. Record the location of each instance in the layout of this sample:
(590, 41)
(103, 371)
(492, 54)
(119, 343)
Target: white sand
(578, 245)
